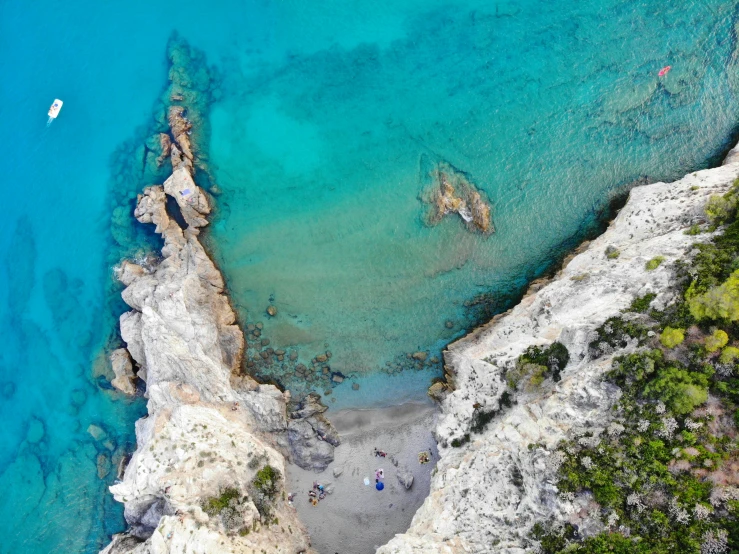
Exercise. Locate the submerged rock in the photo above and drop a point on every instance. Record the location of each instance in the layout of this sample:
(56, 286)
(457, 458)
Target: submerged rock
(165, 146)
(103, 466)
(450, 191)
(420, 356)
(96, 432)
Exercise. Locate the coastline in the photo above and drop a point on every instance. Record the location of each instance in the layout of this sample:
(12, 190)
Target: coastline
(507, 462)
(359, 428)
(208, 471)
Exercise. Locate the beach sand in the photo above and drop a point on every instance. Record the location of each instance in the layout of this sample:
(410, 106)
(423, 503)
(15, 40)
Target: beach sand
(354, 518)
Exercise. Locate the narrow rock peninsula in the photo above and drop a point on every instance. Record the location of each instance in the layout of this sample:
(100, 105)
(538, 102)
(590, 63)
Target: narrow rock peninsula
(498, 470)
(209, 471)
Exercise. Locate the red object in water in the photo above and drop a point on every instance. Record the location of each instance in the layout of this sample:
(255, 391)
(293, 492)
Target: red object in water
(664, 70)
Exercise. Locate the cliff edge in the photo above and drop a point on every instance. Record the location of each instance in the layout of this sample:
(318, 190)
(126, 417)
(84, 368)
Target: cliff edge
(208, 474)
(497, 473)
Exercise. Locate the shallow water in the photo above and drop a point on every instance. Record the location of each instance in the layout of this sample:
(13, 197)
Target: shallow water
(327, 121)
(549, 110)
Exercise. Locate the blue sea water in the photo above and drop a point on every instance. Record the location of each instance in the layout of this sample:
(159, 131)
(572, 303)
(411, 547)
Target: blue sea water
(329, 116)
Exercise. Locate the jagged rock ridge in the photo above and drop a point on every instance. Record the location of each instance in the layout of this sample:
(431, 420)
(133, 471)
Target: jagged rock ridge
(208, 472)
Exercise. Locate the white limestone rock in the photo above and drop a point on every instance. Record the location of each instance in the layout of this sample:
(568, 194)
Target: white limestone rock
(190, 198)
(202, 435)
(120, 361)
(486, 495)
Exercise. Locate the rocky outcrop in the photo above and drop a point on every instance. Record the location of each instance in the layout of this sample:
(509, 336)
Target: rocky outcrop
(405, 477)
(452, 192)
(120, 360)
(311, 435)
(491, 487)
(208, 472)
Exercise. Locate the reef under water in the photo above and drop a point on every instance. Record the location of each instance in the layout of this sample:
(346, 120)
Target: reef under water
(319, 130)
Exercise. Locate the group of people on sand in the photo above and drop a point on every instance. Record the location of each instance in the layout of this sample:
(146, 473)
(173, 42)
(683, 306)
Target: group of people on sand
(424, 457)
(318, 492)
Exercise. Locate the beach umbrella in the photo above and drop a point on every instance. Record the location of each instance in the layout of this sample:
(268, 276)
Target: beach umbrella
(379, 486)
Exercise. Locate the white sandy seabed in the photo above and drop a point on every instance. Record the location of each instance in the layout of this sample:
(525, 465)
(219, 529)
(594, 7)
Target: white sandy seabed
(354, 518)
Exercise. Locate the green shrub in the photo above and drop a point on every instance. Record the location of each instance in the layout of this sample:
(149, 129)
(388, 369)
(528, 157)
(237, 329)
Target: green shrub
(716, 341)
(636, 367)
(680, 389)
(670, 337)
(715, 261)
(718, 303)
(729, 355)
(615, 333)
(266, 481)
(641, 303)
(265, 489)
(612, 252)
(554, 359)
(456, 443)
(215, 505)
(654, 263)
(480, 419)
(552, 542)
(721, 209)
(676, 315)
(537, 377)
(693, 230)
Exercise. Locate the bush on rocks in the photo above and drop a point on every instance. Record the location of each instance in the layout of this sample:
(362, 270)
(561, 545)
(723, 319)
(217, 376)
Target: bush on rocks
(670, 338)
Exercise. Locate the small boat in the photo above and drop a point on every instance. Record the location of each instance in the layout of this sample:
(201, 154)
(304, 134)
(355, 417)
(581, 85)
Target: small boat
(665, 70)
(56, 107)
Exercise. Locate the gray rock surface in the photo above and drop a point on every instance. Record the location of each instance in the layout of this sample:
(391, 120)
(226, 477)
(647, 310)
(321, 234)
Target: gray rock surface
(405, 477)
(491, 490)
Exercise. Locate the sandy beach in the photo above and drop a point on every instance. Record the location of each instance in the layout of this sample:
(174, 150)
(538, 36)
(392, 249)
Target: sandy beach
(355, 518)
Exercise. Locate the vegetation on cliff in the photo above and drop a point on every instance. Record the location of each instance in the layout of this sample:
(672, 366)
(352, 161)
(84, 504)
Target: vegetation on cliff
(664, 475)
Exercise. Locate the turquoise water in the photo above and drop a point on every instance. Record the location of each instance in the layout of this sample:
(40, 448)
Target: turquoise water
(326, 123)
(551, 111)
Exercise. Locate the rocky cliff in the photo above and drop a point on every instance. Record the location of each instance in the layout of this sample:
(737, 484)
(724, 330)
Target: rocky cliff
(208, 472)
(492, 485)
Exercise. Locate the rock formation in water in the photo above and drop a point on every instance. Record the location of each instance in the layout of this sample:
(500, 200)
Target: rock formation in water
(451, 192)
(495, 480)
(120, 361)
(208, 472)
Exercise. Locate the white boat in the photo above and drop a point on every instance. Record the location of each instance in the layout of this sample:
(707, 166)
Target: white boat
(56, 107)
